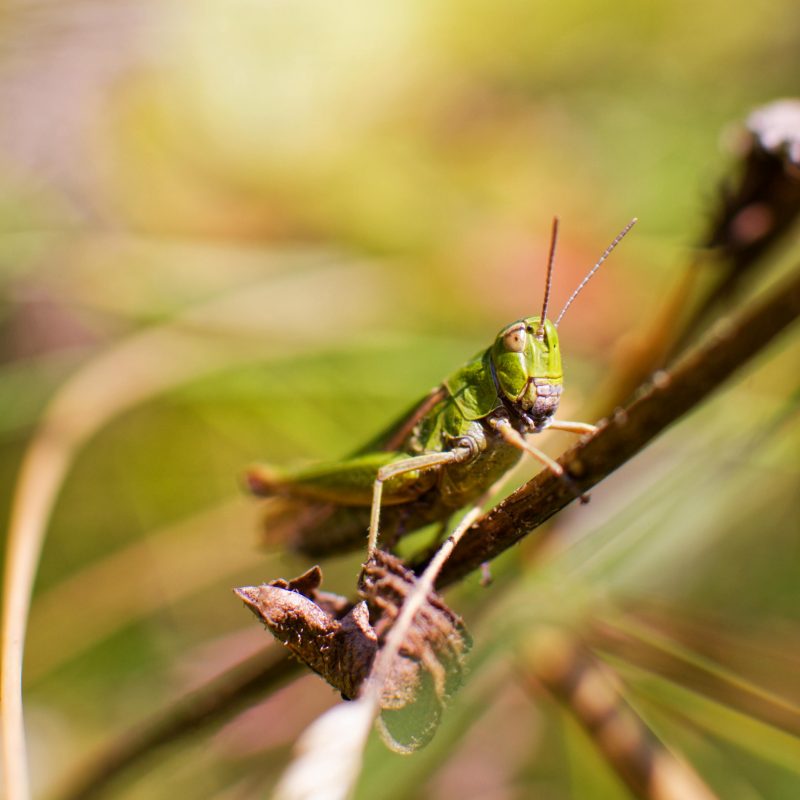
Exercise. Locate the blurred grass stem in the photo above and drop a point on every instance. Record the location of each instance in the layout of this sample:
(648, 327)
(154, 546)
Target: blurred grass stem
(589, 692)
(141, 367)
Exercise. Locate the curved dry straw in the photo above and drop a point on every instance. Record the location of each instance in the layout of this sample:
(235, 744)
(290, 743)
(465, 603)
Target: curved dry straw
(141, 367)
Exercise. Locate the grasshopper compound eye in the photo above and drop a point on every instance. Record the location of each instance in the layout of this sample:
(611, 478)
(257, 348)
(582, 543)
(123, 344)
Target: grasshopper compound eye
(514, 338)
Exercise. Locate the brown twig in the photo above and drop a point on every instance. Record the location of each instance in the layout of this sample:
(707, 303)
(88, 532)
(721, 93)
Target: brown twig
(669, 397)
(221, 698)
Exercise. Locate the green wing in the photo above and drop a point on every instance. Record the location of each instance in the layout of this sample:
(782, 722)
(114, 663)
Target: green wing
(394, 435)
(472, 388)
(345, 483)
(320, 508)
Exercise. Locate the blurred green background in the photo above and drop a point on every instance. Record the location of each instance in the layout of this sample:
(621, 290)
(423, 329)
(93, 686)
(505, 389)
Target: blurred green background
(256, 231)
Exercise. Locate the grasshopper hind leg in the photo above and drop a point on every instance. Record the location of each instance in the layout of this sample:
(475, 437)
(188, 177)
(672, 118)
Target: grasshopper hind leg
(326, 508)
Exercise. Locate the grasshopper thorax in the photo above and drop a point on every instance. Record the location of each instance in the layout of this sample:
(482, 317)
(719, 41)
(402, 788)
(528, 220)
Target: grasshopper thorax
(526, 363)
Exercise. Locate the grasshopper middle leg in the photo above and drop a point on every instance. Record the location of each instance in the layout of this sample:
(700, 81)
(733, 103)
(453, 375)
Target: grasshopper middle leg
(415, 463)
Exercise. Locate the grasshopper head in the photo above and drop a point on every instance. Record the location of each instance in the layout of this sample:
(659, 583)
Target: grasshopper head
(526, 357)
(527, 363)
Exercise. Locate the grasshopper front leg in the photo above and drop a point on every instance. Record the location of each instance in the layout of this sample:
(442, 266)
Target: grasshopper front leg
(513, 437)
(572, 427)
(413, 464)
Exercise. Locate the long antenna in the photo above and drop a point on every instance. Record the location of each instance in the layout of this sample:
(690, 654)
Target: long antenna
(548, 279)
(620, 236)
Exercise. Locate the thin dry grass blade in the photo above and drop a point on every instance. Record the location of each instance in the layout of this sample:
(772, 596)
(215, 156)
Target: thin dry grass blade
(141, 367)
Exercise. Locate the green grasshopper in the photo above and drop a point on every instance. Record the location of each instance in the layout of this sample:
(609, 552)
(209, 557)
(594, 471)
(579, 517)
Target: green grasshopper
(441, 456)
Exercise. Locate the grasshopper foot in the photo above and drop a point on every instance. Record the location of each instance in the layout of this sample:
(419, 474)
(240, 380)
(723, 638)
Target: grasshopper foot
(582, 497)
(260, 481)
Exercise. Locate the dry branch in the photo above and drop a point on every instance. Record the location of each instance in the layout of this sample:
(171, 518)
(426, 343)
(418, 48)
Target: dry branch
(669, 396)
